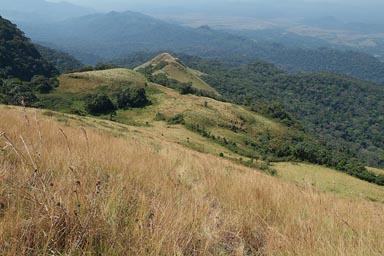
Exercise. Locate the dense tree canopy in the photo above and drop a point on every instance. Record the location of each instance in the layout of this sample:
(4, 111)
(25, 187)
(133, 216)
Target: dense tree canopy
(18, 56)
(343, 111)
(61, 60)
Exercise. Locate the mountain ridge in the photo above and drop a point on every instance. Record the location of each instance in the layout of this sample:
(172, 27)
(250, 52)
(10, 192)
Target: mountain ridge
(116, 34)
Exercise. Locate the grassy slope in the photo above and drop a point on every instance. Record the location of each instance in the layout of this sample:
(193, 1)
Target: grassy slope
(325, 179)
(179, 72)
(101, 186)
(215, 116)
(208, 113)
(74, 86)
(90, 81)
(376, 170)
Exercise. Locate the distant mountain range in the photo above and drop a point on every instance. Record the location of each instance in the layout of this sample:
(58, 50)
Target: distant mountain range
(40, 11)
(101, 37)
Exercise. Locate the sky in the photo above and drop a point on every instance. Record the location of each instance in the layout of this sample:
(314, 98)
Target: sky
(111, 3)
(366, 11)
(361, 10)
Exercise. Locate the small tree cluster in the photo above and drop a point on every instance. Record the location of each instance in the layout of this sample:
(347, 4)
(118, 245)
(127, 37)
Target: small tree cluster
(99, 104)
(132, 98)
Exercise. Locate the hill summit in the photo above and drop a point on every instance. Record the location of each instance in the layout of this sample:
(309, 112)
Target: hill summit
(162, 57)
(164, 67)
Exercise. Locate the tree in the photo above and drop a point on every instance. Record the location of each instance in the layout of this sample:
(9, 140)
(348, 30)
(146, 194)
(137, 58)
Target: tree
(132, 98)
(99, 104)
(41, 84)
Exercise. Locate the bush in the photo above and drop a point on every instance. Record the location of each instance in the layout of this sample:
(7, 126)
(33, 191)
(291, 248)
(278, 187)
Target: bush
(132, 98)
(43, 84)
(177, 119)
(3, 99)
(104, 66)
(160, 117)
(186, 88)
(44, 88)
(76, 111)
(99, 104)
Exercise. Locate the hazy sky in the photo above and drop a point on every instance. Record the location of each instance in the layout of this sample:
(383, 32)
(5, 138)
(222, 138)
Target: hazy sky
(368, 11)
(110, 4)
(359, 10)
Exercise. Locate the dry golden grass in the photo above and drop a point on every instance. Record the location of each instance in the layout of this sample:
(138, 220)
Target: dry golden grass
(376, 170)
(88, 81)
(68, 189)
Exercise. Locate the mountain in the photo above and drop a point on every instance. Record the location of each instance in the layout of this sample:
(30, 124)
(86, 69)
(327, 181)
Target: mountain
(100, 37)
(61, 60)
(114, 34)
(40, 11)
(18, 56)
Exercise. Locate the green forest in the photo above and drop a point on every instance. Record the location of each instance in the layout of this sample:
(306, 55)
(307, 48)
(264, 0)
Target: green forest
(344, 112)
(18, 56)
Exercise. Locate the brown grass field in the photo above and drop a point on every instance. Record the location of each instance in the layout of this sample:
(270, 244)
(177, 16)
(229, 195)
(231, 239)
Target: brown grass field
(80, 186)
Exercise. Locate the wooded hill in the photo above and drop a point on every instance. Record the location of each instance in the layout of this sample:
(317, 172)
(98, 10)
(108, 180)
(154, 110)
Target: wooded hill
(18, 56)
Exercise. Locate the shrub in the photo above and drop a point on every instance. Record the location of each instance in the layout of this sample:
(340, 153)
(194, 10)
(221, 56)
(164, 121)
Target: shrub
(132, 98)
(160, 117)
(99, 104)
(177, 119)
(186, 88)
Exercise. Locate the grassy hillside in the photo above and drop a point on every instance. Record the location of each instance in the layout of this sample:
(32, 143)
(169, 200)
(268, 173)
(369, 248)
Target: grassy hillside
(325, 179)
(247, 136)
(74, 87)
(174, 69)
(77, 185)
(251, 138)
